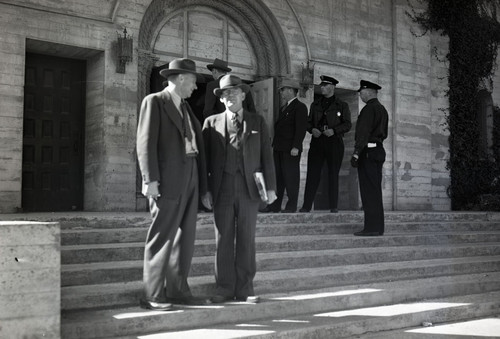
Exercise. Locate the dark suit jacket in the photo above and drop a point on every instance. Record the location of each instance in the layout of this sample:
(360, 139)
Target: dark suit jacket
(290, 128)
(256, 147)
(338, 116)
(160, 145)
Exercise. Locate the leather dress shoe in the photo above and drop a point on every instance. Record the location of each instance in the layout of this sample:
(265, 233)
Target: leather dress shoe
(217, 299)
(155, 306)
(251, 299)
(304, 210)
(268, 209)
(367, 234)
(334, 210)
(193, 301)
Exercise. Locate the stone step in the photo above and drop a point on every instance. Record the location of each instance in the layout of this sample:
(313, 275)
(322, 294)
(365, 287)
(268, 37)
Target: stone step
(86, 220)
(132, 322)
(128, 293)
(206, 231)
(90, 253)
(113, 271)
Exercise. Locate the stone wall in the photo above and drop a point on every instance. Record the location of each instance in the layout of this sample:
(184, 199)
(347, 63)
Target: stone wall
(30, 279)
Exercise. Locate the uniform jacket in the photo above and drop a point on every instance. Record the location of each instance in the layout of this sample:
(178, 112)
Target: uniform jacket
(160, 145)
(291, 126)
(256, 148)
(372, 125)
(338, 116)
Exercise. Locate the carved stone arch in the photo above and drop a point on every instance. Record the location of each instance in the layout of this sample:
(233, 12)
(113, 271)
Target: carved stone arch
(253, 17)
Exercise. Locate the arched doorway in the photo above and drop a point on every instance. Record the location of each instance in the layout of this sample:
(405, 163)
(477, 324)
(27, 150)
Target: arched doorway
(246, 34)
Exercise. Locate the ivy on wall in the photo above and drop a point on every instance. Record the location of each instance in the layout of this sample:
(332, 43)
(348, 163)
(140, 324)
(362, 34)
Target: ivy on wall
(473, 30)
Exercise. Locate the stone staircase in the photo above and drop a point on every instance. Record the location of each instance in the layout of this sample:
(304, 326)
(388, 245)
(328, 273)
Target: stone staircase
(315, 279)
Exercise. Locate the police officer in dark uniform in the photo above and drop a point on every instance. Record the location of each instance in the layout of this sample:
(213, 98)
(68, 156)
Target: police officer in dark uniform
(369, 156)
(329, 119)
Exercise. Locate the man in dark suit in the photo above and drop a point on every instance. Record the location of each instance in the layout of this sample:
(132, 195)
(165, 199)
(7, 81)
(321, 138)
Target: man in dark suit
(289, 132)
(213, 105)
(369, 156)
(329, 120)
(237, 146)
(171, 157)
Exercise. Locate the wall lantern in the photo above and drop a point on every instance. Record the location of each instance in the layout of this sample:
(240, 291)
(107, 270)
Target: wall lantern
(125, 48)
(307, 77)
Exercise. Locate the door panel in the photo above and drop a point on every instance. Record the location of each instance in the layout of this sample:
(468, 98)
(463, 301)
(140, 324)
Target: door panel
(54, 109)
(265, 101)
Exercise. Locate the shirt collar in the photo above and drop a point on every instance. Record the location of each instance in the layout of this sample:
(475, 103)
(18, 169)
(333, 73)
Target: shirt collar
(240, 114)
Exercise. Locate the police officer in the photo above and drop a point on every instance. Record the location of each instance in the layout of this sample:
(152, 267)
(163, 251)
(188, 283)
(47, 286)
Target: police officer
(369, 156)
(329, 119)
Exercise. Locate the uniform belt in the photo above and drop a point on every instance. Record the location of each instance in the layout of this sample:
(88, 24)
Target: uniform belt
(372, 145)
(191, 155)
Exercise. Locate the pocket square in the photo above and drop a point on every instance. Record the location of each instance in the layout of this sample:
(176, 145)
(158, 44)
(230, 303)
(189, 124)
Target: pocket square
(255, 132)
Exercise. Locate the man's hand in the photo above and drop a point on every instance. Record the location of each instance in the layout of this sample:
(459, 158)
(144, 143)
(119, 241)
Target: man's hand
(207, 200)
(294, 152)
(329, 132)
(316, 132)
(354, 161)
(271, 196)
(151, 190)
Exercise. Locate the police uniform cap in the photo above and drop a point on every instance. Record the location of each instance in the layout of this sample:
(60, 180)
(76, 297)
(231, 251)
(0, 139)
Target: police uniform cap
(326, 80)
(367, 84)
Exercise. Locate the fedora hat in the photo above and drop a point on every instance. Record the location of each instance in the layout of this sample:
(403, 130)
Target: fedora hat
(289, 83)
(219, 64)
(178, 66)
(230, 81)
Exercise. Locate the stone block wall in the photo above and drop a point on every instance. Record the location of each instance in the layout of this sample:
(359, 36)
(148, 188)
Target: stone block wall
(30, 279)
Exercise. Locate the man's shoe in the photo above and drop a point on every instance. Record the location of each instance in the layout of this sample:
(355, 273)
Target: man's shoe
(334, 210)
(251, 299)
(287, 211)
(155, 306)
(304, 210)
(193, 301)
(268, 209)
(367, 234)
(218, 299)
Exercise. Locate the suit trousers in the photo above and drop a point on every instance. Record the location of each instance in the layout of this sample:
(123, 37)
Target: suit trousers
(235, 214)
(370, 188)
(170, 240)
(287, 177)
(332, 150)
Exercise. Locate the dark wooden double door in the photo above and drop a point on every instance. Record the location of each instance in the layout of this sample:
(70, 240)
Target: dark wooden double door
(54, 111)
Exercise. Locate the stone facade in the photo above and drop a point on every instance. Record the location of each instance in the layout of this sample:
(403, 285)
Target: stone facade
(348, 39)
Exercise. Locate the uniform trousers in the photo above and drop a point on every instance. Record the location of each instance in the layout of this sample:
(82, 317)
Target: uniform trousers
(287, 177)
(370, 186)
(323, 149)
(235, 214)
(170, 240)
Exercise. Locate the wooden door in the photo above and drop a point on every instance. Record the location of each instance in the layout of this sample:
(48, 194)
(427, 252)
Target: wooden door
(54, 110)
(265, 101)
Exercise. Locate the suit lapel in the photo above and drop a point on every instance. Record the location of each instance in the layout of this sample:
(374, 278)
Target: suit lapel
(220, 126)
(172, 111)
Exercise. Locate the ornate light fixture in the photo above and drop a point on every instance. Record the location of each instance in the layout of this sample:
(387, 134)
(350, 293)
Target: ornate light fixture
(307, 76)
(125, 49)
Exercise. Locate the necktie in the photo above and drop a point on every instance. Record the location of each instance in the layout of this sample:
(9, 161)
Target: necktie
(237, 126)
(185, 123)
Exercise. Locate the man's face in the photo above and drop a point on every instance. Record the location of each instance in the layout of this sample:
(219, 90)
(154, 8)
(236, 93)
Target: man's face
(327, 90)
(286, 94)
(233, 98)
(363, 95)
(187, 84)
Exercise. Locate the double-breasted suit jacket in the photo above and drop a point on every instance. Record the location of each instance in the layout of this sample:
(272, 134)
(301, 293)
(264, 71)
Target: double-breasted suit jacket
(161, 153)
(291, 126)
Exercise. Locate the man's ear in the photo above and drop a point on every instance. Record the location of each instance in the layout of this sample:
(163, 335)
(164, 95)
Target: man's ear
(243, 96)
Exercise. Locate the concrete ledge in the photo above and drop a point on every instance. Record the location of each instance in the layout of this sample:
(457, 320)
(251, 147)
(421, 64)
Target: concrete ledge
(30, 279)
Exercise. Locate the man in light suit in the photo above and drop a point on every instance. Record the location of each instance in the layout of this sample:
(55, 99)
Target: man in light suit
(171, 158)
(237, 145)
(289, 132)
